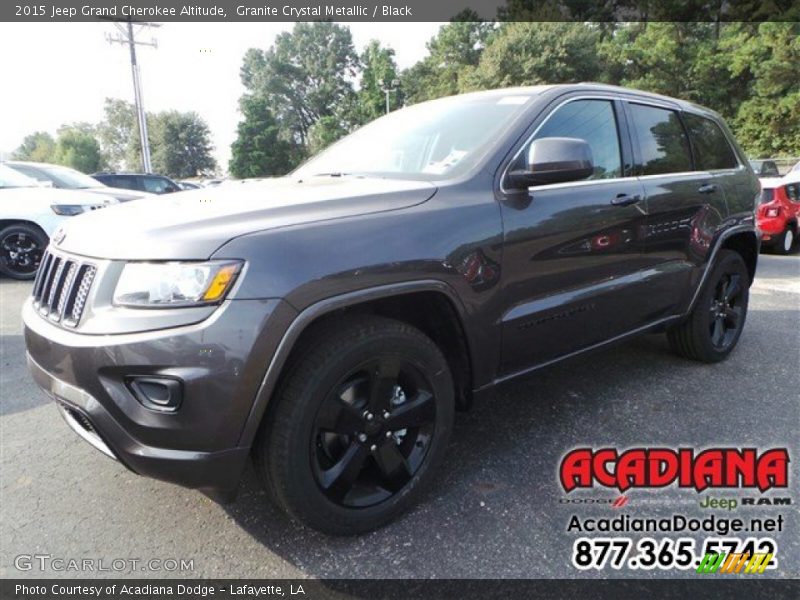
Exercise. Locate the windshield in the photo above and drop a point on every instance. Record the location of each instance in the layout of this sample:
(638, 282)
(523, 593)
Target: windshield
(70, 178)
(433, 140)
(9, 178)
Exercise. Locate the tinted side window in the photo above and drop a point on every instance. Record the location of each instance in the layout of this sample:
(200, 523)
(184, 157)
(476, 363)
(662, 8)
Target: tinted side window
(662, 140)
(711, 147)
(770, 169)
(594, 122)
(128, 183)
(155, 185)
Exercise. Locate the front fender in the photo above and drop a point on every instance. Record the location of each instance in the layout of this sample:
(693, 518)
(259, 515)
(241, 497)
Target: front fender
(311, 314)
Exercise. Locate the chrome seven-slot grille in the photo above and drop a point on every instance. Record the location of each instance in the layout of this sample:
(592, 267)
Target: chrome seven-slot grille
(61, 288)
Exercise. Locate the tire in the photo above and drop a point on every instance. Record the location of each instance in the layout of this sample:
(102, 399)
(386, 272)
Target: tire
(714, 326)
(21, 249)
(785, 243)
(323, 458)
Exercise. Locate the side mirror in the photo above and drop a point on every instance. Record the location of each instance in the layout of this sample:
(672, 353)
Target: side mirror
(554, 160)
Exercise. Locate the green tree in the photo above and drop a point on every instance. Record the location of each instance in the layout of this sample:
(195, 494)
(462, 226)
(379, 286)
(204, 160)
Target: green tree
(767, 122)
(452, 54)
(258, 150)
(536, 53)
(180, 144)
(748, 72)
(77, 147)
(118, 134)
(323, 133)
(675, 59)
(37, 147)
(304, 76)
(377, 63)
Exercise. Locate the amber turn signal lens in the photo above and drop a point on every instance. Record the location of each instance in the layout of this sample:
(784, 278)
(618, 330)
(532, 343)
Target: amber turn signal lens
(221, 282)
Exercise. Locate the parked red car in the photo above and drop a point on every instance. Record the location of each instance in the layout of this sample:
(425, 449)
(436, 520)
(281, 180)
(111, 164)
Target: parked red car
(779, 212)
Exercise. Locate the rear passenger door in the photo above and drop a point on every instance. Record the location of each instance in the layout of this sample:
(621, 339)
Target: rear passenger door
(685, 206)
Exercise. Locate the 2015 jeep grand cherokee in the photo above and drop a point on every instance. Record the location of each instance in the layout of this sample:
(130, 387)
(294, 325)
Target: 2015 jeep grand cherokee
(329, 322)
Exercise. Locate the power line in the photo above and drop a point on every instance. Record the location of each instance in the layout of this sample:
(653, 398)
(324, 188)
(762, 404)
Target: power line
(127, 36)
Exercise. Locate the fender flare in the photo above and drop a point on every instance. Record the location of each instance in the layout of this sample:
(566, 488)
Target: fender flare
(308, 316)
(744, 228)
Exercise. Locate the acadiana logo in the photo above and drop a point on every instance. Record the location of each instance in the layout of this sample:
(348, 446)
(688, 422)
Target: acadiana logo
(660, 467)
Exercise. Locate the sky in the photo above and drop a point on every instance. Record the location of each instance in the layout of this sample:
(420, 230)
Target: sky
(59, 73)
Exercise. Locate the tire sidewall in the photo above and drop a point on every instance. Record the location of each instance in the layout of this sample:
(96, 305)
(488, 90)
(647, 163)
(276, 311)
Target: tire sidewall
(299, 477)
(781, 245)
(729, 263)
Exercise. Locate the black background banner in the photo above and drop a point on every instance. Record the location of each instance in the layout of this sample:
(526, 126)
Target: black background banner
(400, 10)
(754, 587)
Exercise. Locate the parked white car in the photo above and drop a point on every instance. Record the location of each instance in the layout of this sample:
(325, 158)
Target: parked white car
(65, 178)
(30, 214)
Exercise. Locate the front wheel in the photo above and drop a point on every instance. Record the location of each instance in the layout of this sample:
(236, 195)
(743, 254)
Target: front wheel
(21, 250)
(361, 422)
(715, 324)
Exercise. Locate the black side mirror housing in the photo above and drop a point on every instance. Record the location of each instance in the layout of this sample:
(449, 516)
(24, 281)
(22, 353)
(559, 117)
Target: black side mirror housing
(554, 160)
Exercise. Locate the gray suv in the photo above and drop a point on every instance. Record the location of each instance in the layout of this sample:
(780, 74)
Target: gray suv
(329, 323)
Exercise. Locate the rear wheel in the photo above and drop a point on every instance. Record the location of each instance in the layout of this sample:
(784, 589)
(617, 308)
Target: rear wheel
(21, 249)
(361, 422)
(785, 242)
(713, 328)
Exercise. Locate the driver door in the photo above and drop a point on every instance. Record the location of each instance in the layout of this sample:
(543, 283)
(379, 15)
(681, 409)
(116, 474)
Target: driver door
(573, 259)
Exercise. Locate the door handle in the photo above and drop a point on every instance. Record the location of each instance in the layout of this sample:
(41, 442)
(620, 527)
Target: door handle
(707, 188)
(625, 199)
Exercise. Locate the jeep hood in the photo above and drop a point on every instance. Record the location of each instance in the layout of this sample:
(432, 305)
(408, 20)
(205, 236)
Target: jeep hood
(193, 224)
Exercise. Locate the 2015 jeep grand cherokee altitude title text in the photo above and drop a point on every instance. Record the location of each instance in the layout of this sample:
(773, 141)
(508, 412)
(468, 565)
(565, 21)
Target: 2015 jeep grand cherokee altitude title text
(328, 323)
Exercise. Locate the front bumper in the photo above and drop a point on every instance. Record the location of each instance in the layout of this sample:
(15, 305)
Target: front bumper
(221, 363)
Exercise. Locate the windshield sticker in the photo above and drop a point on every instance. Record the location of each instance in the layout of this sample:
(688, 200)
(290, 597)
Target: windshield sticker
(449, 161)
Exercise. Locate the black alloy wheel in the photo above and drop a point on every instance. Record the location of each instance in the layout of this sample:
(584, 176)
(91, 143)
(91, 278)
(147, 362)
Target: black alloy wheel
(372, 432)
(726, 311)
(358, 425)
(21, 250)
(713, 328)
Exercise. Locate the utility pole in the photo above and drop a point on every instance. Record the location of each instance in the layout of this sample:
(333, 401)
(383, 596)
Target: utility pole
(387, 87)
(126, 36)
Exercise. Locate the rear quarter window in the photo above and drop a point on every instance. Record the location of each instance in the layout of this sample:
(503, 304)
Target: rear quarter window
(711, 147)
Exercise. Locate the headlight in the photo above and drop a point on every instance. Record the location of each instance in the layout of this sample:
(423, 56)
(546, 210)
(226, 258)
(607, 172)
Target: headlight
(68, 210)
(173, 284)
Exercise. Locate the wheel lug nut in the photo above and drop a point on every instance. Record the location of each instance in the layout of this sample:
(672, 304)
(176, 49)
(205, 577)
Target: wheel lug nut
(373, 447)
(386, 414)
(388, 434)
(368, 416)
(362, 437)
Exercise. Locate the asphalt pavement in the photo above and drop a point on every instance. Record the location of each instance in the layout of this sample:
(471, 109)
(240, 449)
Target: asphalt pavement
(496, 511)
